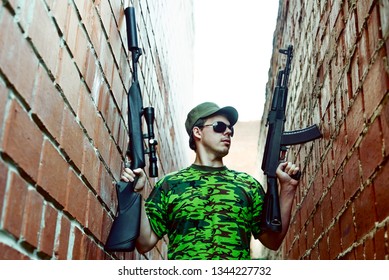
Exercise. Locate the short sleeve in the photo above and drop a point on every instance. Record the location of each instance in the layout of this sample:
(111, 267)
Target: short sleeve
(258, 200)
(156, 210)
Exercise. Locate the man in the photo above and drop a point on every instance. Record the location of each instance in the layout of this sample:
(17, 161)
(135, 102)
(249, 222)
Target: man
(207, 210)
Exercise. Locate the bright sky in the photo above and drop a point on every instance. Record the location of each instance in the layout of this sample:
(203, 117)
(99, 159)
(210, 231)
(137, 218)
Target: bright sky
(233, 46)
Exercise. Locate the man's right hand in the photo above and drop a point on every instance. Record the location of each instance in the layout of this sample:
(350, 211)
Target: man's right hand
(147, 238)
(129, 175)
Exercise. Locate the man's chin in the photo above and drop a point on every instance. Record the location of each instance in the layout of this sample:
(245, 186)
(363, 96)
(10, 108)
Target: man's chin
(224, 153)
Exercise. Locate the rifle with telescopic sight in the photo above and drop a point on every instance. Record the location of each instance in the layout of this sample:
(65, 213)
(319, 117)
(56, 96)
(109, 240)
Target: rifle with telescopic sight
(126, 225)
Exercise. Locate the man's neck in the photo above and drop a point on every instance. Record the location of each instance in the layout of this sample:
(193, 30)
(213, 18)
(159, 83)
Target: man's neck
(205, 161)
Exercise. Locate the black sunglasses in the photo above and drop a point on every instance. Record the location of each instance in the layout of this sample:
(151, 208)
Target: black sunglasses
(220, 127)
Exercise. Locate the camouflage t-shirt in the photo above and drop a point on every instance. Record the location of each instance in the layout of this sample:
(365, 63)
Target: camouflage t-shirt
(207, 213)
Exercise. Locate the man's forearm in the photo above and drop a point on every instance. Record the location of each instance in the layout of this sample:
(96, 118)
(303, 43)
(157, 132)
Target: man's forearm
(147, 238)
(271, 239)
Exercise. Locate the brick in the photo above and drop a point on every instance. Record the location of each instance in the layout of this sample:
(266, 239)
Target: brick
(363, 10)
(78, 251)
(355, 121)
(350, 32)
(3, 105)
(14, 205)
(117, 12)
(81, 50)
(323, 248)
(72, 29)
(302, 244)
(48, 104)
(72, 138)
(326, 209)
(350, 255)
(376, 84)
(9, 253)
(337, 195)
(90, 165)
(116, 161)
(115, 120)
(384, 120)
(107, 191)
(102, 139)
(317, 220)
(22, 140)
(32, 218)
(310, 206)
(310, 238)
(371, 145)
(106, 225)
(334, 245)
(354, 74)
(351, 176)
(348, 92)
(62, 241)
(53, 173)
(383, 8)
(107, 62)
(92, 76)
(47, 235)
(381, 193)
(68, 79)
(365, 215)
(369, 251)
(295, 250)
(104, 8)
(81, 5)
(347, 230)
(359, 252)
(364, 53)
(314, 253)
(340, 146)
(387, 46)
(103, 103)
(77, 196)
(379, 241)
(374, 29)
(59, 11)
(94, 214)
(3, 184)
(318, 189)
(93, 26)
(47, 43)
(91, 250)
(24, 13)
(21, 74)
(87, 112)
(335, 14)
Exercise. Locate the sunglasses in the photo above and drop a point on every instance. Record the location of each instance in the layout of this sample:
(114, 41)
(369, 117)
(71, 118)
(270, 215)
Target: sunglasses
(220, 127)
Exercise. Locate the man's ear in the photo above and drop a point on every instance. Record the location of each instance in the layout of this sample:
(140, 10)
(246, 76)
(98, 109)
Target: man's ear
(196, 131)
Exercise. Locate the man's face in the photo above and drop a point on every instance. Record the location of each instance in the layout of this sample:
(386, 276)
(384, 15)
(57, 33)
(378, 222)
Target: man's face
(216, 142)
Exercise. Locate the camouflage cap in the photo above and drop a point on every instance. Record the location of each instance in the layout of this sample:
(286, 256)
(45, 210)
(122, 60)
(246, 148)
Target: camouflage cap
(207, 109)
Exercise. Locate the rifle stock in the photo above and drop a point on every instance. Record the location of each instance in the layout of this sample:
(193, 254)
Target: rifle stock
(276, 143)
(126, 225)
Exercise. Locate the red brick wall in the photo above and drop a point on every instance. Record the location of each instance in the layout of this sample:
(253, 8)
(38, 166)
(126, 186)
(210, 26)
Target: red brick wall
(64, 75)
(339, 80)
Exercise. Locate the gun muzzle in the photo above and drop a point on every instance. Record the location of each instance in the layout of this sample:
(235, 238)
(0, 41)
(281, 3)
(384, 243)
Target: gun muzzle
(132, 38)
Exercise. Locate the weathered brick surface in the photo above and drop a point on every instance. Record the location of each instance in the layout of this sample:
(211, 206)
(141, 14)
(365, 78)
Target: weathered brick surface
(64, 77)
(340, 81)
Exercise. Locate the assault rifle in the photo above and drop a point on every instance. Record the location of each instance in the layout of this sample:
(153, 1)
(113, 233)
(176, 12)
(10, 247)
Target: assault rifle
(126, 225)
(276, 145)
